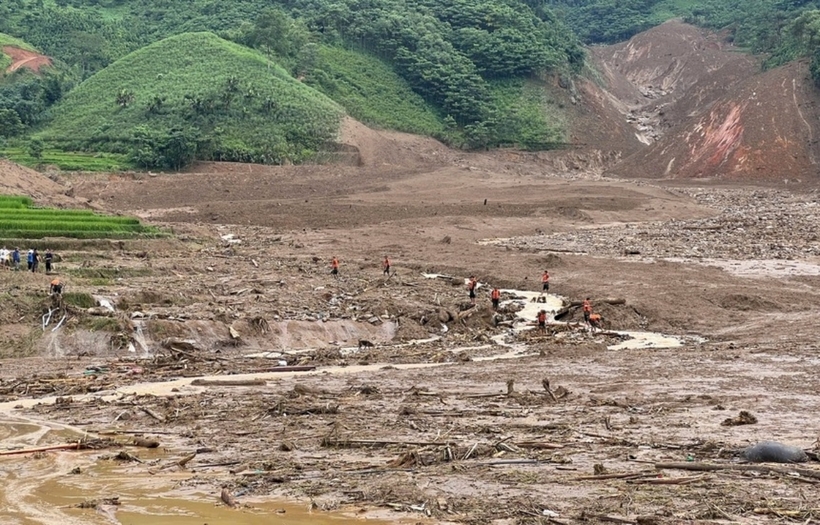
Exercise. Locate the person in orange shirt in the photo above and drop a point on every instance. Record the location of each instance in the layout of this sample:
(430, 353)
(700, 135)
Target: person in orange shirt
(495, 295)
(386, 266)
(545, 282)
(587, 306)
(595, 321)
(471, 286)
(334, 267)
(56, 287)
(542, 320)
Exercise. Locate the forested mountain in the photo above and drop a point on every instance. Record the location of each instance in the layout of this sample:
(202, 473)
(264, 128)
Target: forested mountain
(473, 73)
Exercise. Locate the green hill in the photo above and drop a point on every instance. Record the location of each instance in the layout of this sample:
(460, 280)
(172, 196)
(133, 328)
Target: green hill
(195, 95)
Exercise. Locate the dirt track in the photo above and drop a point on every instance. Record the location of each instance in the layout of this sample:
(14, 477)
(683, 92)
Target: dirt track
(24, 58)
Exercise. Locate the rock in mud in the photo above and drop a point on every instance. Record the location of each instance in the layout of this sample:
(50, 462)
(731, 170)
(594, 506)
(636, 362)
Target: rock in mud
(773, 452)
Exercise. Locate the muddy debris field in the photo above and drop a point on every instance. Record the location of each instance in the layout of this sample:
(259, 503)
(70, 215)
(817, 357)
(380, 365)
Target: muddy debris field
(226, 357)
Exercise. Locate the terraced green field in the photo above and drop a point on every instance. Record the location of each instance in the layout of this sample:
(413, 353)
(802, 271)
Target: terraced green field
(20, 220)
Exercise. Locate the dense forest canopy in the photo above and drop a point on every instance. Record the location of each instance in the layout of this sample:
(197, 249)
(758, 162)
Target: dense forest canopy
(465, 71)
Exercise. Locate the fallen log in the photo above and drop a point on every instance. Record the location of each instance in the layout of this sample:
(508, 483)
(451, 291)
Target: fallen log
(153, 414)
(538, 445)
(229, 382)
(622, 475)
(65, 446)
(706, 467)
(606, 300)
(331, 441)
(668, 481)
(288, 369)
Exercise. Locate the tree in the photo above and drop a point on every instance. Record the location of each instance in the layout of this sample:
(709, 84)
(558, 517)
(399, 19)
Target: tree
(35, 148)
(125, 97)
(10, 123)
(276, 33)
(172, 149)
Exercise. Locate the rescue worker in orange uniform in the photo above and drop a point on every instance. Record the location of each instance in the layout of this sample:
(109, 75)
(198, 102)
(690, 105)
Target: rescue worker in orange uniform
(386, 266)
(542, 320)
(587, 306)
(471, 286)
(334, 267)
(595, 321)
(495, 296)
(56, 287)
(545, 282)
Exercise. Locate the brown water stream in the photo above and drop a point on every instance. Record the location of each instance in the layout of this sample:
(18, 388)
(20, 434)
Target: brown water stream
(40, 489)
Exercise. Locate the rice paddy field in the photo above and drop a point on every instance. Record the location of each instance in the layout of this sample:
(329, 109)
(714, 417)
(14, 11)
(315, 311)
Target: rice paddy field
(20, 219)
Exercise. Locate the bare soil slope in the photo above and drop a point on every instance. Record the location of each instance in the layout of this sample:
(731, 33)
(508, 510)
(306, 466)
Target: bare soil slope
(25, 58)
(705, 110)
(18, 180)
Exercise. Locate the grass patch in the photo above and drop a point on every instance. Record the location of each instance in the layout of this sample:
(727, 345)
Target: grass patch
(8, 40)
(104, 324)
(11, 202)
(18, 220)
(79, 299)
(70, 160)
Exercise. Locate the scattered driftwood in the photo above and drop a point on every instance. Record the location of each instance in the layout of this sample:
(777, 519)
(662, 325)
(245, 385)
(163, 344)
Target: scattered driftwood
(806, 472)
(604, 517)
(229, 382)
(743, 418)
(159, 417)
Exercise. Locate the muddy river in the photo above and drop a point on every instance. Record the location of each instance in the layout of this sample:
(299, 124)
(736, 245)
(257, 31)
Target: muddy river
(90, 488)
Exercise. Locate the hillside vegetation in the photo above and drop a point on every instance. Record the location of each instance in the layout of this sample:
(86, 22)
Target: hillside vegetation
(444, 68)
(165, 105)
(469, 72)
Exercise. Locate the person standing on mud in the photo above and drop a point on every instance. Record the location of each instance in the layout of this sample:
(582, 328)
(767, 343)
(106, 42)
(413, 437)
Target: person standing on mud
(35, 260)
(49, 258)
(587, 306)
(545, 282)
(386, 266)
(471, 286)
(30, 259)
(15, 259)
(542, 320)
(495, 296)
(334, 267)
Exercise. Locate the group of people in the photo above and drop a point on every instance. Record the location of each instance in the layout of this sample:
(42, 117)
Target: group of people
(334, 266)
(12, 259)
(592, 319)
